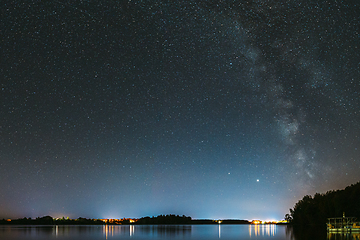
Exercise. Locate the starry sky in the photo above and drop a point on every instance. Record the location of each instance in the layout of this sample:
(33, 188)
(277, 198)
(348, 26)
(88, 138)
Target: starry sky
(211, 109)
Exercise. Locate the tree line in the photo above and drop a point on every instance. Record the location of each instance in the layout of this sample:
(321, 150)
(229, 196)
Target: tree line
(48, 220)
(160, 219)
(165, 219)
(315, 210)
(176, 219)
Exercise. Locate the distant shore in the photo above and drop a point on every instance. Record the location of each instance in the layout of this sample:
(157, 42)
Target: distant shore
(158, 220)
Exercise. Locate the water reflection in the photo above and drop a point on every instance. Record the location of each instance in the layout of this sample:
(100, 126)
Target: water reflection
(262, 230)
(146, 230)
(132, 230)
(165, 232)
(306, 233)
(26, 231)
(318, 232)
(343, 236)
(111, 230)
(223, 232)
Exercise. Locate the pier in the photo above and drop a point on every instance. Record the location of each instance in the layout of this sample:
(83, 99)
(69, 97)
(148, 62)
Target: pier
(343, 224)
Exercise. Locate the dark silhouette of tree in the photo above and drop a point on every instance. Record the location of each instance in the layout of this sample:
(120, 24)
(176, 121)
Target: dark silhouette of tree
(165, 219)
(47, 220)
(315, 210)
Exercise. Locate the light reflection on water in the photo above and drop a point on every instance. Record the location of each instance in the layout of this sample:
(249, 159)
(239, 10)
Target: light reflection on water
(262, 230)
(165, 232)
(343, 236)
(318, 232)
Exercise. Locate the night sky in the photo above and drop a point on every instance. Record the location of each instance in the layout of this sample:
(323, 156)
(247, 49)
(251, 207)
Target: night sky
(211, 109)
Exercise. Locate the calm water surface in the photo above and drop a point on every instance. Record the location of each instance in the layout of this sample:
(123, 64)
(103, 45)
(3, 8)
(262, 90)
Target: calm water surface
(165, 232)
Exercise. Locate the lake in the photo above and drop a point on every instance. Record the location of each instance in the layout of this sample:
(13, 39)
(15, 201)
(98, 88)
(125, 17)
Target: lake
(166, 232)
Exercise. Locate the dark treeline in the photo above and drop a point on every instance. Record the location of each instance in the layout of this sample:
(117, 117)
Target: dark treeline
(315, 210)
(165, 219)
(47, 220)
(161, 219)
(232, 221)
(225, 221)
(176, 219)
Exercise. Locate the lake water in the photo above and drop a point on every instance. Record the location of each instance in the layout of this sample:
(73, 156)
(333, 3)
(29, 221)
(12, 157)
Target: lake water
(166, 232)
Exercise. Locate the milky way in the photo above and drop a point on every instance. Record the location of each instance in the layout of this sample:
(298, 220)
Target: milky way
(207, 109)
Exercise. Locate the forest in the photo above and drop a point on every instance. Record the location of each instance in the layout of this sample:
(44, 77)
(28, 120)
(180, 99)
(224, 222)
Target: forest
(165, 219)
(315, 210)
(48, 220)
